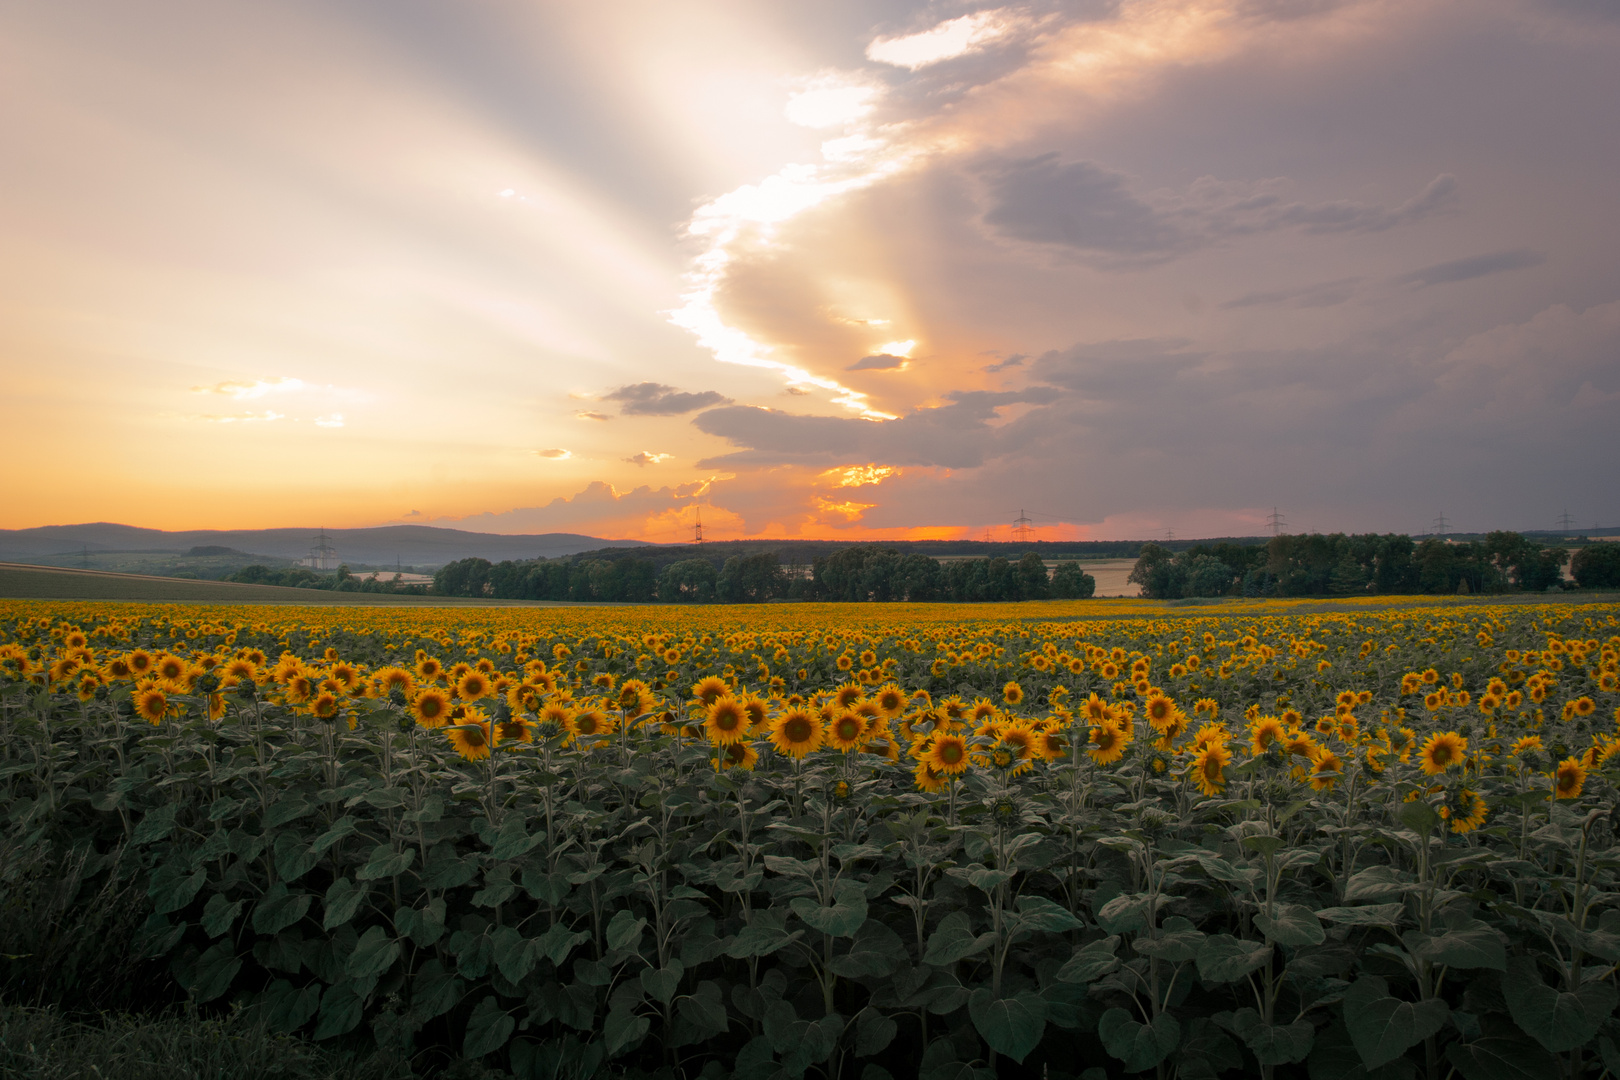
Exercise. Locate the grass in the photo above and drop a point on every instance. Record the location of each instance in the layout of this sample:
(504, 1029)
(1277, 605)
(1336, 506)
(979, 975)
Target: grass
(23, 582)
(46, 1044)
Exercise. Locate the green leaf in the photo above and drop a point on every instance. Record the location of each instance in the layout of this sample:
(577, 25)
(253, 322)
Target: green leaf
(1472, 945)
(1418, 816)
(447, 870)
(1293, 926)
(1559, 1021)
(1494, 1058)
(294, 859)
(1206, 1052)
(1223, 958)
(373, 954)
(1377, 884)
(219, 915)
(278, 909)
(552, 889)
(340, 1012)
(1383, 1027)
(1265, 845)
(488, 1028)
(705, 1009)
(343, 899)
(1091, 962)
(873, 1033)
(172, 890)
(1366, 915)
(1039, 913)
(385, 863)
(842, 917)
(514, 954)
(287, 1007)
(343, 826)
(424, 925)
(434, 991)
(1140, 1046)
(215, 969)
(623, 1029)
(661, 983)
(624, 930)
(954, 940)
(1272, 1044)
(1011, 1026)
(288, 809)
(1124, 914)
(556, 943)
(764, 934)
(156, 824)
(512, 841)
(1176, 941)
(876, 951)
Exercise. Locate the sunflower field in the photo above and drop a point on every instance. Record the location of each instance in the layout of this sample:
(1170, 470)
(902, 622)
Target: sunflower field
(848, 841)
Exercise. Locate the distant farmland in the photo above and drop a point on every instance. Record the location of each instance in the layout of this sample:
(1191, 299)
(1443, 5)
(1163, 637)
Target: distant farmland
(49, 583)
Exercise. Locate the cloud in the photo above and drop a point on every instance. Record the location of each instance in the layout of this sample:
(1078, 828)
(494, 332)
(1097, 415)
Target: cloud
(796, 391)
(946, 41)
(334, 420)
(647, 457)
(269, 416)
(1087, 208)
(586, 414)
(656, 399)
(554, 453)
(247, 391)
(1015, 360)
(1320, 294)
(878, 362)
(1475, 266)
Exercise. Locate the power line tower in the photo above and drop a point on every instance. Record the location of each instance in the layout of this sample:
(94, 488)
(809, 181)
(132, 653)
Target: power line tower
(1275, 521)
(323, 556)
(697, 530)
(1169, 535)
(84, 557)
(1440, 524)
(1565, 522)
(1021, 528)
(987, 538)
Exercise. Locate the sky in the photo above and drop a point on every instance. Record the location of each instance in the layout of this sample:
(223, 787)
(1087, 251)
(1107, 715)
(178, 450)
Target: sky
(1129, 268)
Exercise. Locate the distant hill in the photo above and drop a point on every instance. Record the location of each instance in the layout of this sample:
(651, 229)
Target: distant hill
(411, 545)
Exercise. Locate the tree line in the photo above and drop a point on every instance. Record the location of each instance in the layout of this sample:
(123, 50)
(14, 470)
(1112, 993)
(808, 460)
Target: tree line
(865, 572)
(1337, 564)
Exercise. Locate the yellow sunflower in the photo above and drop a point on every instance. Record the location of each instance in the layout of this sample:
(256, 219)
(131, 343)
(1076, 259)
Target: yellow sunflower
(473, 737)
(1442, 750)
(709, 689)
(1108, 743)
(947, 755)
(1208, 766)
(1325, 769)
(727, 721)
(151, 705)
(431, 707)
(473, 685)
(796, 733)
(737, 755)
(1569, 778)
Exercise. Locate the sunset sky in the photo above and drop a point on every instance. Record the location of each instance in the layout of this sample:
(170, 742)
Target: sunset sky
(838, 269)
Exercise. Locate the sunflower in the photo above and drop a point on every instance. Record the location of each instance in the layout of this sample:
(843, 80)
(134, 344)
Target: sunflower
(1346, 699)
(1569, 778)
(636, 698)
(151, 705)
(588, 722)
(1207, 768)
(516, 729)
(474, 737)
(1583, 706)
(847, 731)
(325, 707)
(1465, 810)
(1443, 750)
(890, 699)
(431, 707)
(1525, 745)
(947, 755)
(982, 711)
(140, 661)
(727, 721)
(1108, 742)
(473, 685)
(429, 669)
(1263, 732)
(737, 755)
(796, 733)
(1094, 709)
(709, 689)
(1012, 693)
(1050, 743)
(554, 717)
(845, 662)
(1161, 712)
(1325, 769)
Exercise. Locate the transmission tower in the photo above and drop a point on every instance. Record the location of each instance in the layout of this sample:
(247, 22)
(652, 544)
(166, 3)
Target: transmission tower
(1276, 522)
(1021, 528)
(987, 538)
(1440, 524)
(1565, 522)
(697, 530)
(1169, 534)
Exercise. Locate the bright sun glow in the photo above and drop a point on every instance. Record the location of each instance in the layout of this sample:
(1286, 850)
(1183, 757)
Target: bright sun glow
(858, 475)
(946, 41)
(897, 348)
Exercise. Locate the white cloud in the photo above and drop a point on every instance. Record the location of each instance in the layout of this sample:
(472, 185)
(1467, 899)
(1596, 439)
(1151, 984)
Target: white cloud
(334, 420)
(554, 453)
(647, 457)
(948, 40)
(267, 417)
(831, 101)
(247, 391)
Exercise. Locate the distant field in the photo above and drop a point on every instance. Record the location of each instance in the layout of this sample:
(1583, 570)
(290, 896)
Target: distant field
(22, 582)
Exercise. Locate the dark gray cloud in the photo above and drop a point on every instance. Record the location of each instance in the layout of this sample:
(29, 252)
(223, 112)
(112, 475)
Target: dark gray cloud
(1090, 209)
(1475, 266)
(656, 399)
(953, 436)
(878, 362)
(1078, 205)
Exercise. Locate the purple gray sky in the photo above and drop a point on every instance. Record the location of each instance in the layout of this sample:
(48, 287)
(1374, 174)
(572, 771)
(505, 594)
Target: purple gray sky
(838, 269)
